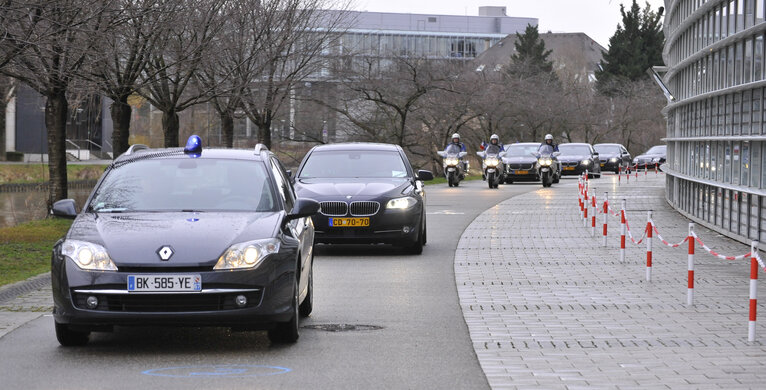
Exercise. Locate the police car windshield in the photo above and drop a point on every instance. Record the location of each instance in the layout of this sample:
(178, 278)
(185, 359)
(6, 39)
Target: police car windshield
(659, 149)
(607, 149)
(185, 184)
(348, 164)
(574, 149)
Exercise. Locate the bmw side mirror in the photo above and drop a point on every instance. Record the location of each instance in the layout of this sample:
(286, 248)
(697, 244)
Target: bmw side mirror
(595, 154)
(64, 208)
(556, 154)
(304, 207)
(290, 176)
(425, 175)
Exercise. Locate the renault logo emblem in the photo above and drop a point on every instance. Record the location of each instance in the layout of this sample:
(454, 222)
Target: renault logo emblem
(166, 252)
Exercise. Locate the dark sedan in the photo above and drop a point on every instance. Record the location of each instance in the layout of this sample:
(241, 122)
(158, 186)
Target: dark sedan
(186, 237)
(520, 162)
(655, 156)
(614, 157)
(368, 193)
(576, 158)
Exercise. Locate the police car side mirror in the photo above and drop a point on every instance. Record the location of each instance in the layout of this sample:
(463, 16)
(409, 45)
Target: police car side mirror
(304, 207)
(64, 208)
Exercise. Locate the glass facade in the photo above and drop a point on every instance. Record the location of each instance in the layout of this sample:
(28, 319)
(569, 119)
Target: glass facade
(716, 133)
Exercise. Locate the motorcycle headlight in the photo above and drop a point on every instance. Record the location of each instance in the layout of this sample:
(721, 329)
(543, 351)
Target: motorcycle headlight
(492, 162)
(401, 203)
(88, 256)
(247, 254)
(585, 162)
(545, 161)
(451, 161)
(613, 159)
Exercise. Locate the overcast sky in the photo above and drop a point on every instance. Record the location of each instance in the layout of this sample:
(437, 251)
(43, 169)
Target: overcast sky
(597, 18)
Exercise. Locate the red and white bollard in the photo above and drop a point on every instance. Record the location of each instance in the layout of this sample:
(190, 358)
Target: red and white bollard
(593, 215)
(585, 210)
(606, 214)
(623, 231)
(649, 246)
(656, 171)
(690, 289)
(753, 290)
(637, 170)
(619, 174)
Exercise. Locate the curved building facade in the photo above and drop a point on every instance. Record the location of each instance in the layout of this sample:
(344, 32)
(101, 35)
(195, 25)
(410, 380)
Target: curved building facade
(716, 137)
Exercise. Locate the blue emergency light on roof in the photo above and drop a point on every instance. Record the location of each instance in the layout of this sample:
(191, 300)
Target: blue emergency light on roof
(193, 146)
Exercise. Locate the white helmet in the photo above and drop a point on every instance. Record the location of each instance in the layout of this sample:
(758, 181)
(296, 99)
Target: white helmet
(456, 135)
(548, 136)
(494, 136)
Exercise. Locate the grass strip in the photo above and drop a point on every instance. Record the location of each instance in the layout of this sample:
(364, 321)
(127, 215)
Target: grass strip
(25, 249)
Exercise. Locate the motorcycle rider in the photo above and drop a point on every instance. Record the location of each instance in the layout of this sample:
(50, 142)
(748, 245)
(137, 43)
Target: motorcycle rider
(493, 140)
(549, 141)
(456, 141)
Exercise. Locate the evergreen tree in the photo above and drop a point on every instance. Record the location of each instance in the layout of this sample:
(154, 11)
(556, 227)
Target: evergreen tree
(635, 47)
(531, 57)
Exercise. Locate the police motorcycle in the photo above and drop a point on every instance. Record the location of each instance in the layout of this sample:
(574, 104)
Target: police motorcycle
(492, 165)
(547, 165)
(453, 164)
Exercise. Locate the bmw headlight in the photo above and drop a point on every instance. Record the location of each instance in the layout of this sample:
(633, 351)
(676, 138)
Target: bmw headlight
(450, 161)
(613, 159)
(491, 162)
(88, 256)
(545, 161)
(247, 254)
(585, 162)
(401, 203)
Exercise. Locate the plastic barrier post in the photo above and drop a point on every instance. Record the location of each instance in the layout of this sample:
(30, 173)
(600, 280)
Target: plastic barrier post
(649, 246)
(585, 210)
(656, 171)
(606, 214)
(619, 174)
(623, 230)
(637, 170)
(593, 215)
(753, 290)
(690, 289)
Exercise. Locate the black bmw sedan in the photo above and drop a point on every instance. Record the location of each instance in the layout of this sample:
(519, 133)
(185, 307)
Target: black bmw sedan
(655, 156)
(614, 157)
(186, 237)
(520, 161)
(576, 158)
(368, 193)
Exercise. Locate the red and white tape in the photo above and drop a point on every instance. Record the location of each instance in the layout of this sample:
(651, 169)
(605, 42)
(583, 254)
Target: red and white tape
(716, 254)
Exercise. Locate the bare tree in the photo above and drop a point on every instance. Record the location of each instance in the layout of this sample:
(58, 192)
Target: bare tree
(126, 52)
(176, 57)
(298, 35)
(65, 31)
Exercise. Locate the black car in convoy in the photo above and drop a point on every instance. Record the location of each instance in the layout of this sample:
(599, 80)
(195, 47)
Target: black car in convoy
(576, 158)
(520, 161)
(656, 155)
(614, 157)
(186, 237)
(368, 193)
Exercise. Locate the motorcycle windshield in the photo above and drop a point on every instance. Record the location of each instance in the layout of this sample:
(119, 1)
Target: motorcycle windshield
(545, 150)
(453, 149)
(492, 149)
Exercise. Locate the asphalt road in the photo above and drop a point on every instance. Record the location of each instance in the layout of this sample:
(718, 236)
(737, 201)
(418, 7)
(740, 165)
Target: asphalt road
(410, 330)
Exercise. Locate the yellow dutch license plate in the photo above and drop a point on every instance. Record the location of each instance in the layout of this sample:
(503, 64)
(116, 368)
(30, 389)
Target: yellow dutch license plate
(569, 168)
(522, 172)
(602, 164)
(349, 222)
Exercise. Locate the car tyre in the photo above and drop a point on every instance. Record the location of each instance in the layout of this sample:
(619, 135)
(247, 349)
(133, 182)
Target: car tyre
(70, 338)
(417, 247)
(307, 306)
(287, 332)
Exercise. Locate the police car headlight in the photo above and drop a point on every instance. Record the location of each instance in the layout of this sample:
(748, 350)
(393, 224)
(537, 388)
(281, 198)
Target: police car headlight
(613, 159)
(401, 203)
(656, 159)
(247, 254)
(87, 255)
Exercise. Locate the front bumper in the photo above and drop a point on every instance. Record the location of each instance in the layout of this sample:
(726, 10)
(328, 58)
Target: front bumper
(268, 289)
(578, 169)
(386, 227)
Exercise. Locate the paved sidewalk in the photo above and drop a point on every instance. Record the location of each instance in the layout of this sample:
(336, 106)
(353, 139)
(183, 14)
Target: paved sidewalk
(548, 307)
(24, 301)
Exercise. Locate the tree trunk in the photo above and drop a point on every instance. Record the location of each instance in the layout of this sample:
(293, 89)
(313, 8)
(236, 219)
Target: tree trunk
(3, 105)
(56, 110)
(170, 128)
(120, 111)
(227, 128)
(264, 133)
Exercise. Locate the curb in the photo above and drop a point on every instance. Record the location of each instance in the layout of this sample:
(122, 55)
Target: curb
(13, 290)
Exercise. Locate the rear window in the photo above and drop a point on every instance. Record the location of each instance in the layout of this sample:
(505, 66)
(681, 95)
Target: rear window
(185, 185)
(349, 164)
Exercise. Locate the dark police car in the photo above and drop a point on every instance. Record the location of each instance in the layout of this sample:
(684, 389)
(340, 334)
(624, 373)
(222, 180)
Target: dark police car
(368, 193)
(186, 237)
